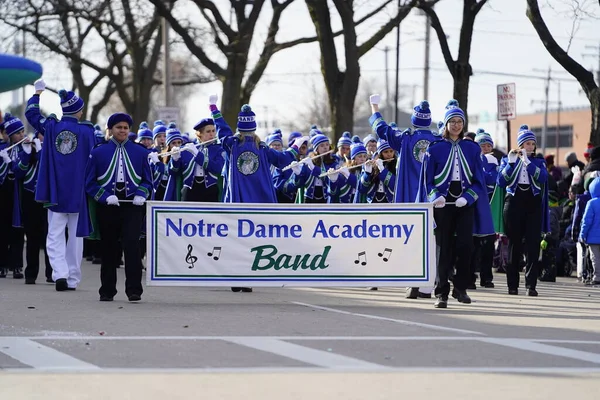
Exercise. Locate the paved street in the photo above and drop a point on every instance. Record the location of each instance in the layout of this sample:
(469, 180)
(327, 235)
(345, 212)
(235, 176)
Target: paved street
(329, 343)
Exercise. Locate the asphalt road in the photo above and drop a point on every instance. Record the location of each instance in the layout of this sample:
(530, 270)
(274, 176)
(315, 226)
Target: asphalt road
(275, 343)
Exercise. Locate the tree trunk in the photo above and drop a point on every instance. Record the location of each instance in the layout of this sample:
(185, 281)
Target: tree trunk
(595, 107)
(232, 101)
(342, 109)
(462, 77)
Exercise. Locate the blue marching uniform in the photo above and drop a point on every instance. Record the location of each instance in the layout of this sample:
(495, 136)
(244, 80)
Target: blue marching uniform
(380, 187)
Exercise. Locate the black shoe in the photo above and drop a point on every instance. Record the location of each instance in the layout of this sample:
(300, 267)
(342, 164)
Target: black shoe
(592, 283)
(247, 289)
(412, 293)
(71, 288)
(96, 261)
(134, 297)
(489, 285)
(513, 292)
(441, 302)
(463, 297)
(18, 273)
(454, 293)
(106, 298)
(61, 285)
(373, 288)
(236, 289)
(49, 280)
(89, 258)
(532, 292)
(424, 295)
(472, 286)
(29, 281)
(3, 272)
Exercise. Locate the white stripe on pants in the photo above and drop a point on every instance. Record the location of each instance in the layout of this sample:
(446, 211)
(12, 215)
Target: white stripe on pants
(65, 255)
(580, 259)
(595, 256)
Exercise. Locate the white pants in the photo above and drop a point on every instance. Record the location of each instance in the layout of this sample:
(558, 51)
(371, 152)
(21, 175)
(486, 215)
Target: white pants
(65, 255)
(580, 259)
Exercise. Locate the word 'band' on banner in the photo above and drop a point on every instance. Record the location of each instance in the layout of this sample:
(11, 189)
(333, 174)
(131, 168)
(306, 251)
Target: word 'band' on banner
(217, 244)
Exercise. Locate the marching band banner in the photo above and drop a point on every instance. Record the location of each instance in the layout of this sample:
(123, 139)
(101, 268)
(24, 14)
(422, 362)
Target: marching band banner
(236, 244)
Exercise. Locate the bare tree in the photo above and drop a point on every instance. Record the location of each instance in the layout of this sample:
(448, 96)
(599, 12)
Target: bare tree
(460, 69)
(584, 76)
(233, 45)
(342, 86)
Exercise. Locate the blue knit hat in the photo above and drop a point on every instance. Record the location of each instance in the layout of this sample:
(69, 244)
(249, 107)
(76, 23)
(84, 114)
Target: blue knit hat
(421, 117)
(118, 117)
(441, 127)
(12, 124)
(246, 119)
(452, 110)
(357, 147)
(369, 138)
(314, 131)
(173, 133)
(293, 136)
(70, 102)
(345, 140)
(98, 131)
(382, 145)
(159, 127)
(394, 126)
(483, 137)
(524, 135)
(144, 132)
(274, 137)
(203, 122)
(185, 137)
(132, 136)
(317, 139)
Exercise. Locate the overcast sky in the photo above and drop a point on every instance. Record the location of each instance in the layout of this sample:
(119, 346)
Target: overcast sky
(504, 42)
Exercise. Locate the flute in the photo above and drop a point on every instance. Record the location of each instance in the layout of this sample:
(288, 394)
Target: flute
(16, 144)
(324, 174)
(304, 160)
(179, 150)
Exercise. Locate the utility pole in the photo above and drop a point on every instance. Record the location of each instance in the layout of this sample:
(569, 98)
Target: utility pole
(597, 55)
(545, 127)
(167, 62)
(558, 124)
(426, 69)
(387, 83)
(397, 69)
(23, 95)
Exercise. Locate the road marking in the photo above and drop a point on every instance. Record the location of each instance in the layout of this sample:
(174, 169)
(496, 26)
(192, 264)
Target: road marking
(529, 345)
(399, 321)
(299, 338)
(39, 356)
(306, 354)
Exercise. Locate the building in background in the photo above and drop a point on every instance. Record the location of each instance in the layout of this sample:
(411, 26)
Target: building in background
(567, 131)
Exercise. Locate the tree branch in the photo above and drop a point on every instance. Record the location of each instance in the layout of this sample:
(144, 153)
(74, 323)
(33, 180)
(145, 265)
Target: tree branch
(427, 7)
(221, 23)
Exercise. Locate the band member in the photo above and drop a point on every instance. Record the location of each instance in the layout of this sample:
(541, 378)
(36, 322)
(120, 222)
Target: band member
(452, 176)
(343, 146)
(118, 177)
(526, 212)
(159, 135)
(61, 181)
(31, 214)
(411, 145)
(12, 240)
(378, 182)
(370, 143)
(343, 185)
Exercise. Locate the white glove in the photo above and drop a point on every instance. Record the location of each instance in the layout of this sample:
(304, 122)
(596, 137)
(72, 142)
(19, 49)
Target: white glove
(491, 159)
(5, 157)
(368, 168)
(153, 157)
(309, 163)
(39, 85)
(26, 147)
(345, 171)
(379, 164)
(334, 176)
(298, 142)
(38, 144)
(440, 202)
(296, 168)
(374, 99)
(112, 200)
(524, 157)
(575, 170)
(191, 147)
(177, 154)
(212, 99)
(460, 202)
(512, 157)
(138, 201)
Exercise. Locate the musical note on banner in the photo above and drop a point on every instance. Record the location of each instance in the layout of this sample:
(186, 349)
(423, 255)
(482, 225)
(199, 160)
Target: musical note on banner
(362, 258)
(215, 253)
(189, 258)
(386, 254)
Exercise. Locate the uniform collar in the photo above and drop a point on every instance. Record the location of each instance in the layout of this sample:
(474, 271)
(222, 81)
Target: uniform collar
(119, 144)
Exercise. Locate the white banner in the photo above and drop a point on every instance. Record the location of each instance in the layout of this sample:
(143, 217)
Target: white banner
(218, 244)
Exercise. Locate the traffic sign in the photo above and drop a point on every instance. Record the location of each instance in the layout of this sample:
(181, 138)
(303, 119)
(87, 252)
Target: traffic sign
(507, 101)
(168, 114)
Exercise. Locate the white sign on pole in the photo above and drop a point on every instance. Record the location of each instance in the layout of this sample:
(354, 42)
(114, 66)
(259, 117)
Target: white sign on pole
(168, 114)
(216, 244)
(507, 101)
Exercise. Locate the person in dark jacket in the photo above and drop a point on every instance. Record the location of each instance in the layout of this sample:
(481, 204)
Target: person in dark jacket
(553, 170)
(590, 229)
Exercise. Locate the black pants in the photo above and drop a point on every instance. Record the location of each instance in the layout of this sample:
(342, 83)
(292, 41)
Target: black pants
(124, 224)
(11, 239)
(454, 236)
(199, 192)
(283, 199)
(483, 257)
(35, 221)
(523, 222)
